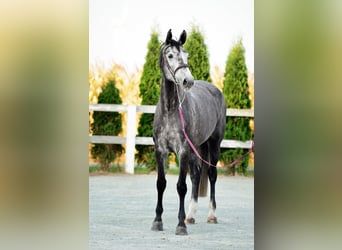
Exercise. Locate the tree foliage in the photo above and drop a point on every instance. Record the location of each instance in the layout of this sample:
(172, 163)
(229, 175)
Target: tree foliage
(198, 55)
(236, 93)
(107, 123)
(150, 82)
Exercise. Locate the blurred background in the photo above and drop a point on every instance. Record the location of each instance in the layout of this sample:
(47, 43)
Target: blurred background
(298, 121)
(44, 124)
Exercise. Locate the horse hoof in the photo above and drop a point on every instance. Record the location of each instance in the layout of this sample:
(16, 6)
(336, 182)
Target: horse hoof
(190, 221)
(212, 220)
(157, 226)
(181, 231)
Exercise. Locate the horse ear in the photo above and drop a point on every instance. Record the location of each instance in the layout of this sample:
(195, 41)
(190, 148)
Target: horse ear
(182, 38)
(168, 37)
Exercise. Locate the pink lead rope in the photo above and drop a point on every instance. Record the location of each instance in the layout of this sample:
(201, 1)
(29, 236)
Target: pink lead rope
(197, 153)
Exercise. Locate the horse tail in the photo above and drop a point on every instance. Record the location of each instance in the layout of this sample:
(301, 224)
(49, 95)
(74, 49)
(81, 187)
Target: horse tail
(203, 183)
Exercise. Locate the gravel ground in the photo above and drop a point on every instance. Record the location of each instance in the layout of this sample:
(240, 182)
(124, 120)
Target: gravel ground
(121, 211)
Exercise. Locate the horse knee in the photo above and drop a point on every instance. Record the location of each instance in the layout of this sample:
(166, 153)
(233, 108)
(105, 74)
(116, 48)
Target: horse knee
(161, 184)
(181, 188)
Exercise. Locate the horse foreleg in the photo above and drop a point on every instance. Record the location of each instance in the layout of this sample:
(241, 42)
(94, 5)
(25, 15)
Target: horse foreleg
(182, 189)
(161, 185)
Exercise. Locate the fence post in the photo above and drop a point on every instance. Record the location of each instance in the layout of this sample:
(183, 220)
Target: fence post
(130, 138)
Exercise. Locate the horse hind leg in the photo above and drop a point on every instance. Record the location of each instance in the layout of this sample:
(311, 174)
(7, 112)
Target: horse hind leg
(212, 173)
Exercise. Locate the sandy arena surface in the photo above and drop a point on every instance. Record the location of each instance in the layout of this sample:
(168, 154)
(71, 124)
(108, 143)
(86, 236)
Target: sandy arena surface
(122, 209)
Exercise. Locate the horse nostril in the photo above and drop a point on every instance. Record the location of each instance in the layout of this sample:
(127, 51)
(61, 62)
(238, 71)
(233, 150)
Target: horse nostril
(188, 83)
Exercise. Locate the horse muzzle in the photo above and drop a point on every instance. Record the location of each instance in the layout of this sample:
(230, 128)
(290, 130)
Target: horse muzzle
(188, 79)
(188, 82)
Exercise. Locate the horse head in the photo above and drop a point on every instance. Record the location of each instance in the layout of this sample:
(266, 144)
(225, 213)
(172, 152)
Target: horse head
(174, 61)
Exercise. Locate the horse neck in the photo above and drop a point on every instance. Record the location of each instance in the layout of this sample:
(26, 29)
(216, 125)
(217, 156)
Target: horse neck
(168, 96)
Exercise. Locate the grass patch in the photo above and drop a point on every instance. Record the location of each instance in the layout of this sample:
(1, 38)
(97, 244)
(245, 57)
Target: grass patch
(141, 170)
(112, 169)
(94, 169)
(225, 172)
(250, 173)
(171, 171)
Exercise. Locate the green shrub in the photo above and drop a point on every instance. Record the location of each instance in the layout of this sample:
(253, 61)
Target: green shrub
(236, 93)
(107, 123)
(198, 55)
(150, 82)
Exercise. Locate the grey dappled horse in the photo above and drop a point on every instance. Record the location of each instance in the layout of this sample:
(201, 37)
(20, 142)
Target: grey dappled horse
(204, 112)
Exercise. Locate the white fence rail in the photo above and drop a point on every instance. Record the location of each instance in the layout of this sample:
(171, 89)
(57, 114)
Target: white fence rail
(131, 139)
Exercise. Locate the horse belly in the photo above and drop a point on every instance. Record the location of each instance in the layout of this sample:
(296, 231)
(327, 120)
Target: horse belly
(202, 129)
(205, 105)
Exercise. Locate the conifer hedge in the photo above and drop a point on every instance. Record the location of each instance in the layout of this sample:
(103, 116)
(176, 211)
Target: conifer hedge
(150, 82)
(198, 55)
(107, 123)
(236, 93)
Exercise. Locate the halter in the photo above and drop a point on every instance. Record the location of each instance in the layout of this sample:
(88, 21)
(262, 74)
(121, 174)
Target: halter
(173, 74)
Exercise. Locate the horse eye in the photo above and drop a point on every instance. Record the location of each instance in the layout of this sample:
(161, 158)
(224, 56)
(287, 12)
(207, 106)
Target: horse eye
(170, 56)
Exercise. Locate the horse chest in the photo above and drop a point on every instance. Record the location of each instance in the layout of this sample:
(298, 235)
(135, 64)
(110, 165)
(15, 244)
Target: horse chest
(170, 135)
